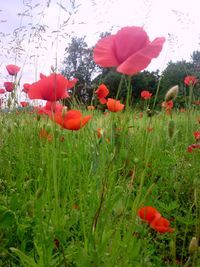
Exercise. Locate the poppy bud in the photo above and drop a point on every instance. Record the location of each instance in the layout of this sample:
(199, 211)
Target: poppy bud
(193, 246)
(172, 93)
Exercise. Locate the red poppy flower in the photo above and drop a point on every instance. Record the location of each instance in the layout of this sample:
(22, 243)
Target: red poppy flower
(2, 91)
(50, 88)
(168, 105)
(50, 108)
(26, 87)
(114, 105)
(146, 94)
(198, 120)
(9, 86)
(24, 104)
(161, 225)
(197, 135)
(12, 69)
(71, 120)
(102, 91)
(190, 80)
(192, 147)
(129, 50)
(148, 213)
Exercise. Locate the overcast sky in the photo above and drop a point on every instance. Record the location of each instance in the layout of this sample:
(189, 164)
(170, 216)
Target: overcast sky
(44, 28)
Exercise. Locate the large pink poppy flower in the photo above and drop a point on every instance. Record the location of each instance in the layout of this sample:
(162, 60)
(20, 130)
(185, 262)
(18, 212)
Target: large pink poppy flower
(130, 50)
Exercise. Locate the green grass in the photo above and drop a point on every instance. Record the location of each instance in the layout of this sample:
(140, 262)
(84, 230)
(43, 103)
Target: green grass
(74, 202)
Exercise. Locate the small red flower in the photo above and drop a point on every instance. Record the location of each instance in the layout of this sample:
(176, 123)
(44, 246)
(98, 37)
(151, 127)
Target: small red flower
(2, 91)
(146, 94)
(50, 88)
(102, 91)
(26, 87)
(155, 220)
(114, 105)
(12, 69)
(161, 225)
(71, 120)
(50, 108)
(192, 147)
(197, 135)
(9, 86)
(198, 120)
(190, 80)
(148, 213)
(168, 105)
(130, 50)
(24, 104)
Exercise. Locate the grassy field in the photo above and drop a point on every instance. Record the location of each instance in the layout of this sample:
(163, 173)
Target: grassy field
(71, 198)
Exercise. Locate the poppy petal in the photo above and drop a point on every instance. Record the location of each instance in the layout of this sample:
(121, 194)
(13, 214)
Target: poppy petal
(141, 59)
(104, 52)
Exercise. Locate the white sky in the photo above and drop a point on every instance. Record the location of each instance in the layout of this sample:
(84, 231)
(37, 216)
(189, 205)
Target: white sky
(177, 20)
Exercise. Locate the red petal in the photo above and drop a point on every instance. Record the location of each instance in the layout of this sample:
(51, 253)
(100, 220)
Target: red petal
(12, 69)
(104, 52)
(50, 88)
(142, 58)
(148, 213)
(129, 40)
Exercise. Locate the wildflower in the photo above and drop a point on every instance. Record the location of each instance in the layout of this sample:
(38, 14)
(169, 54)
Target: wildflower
(146, 94)
(168, 104)
(102, 91)
(26, 87)
(12, 69)
(192, 147)
(148, 213)
(90, 108)
(190, 80)
(198, 120)
(24, 104)
(2, 91)
(43, 134)
(50, 108)
(130, 50)
(50, 88)
(161, 225)
(9, 86)
(154, 219)
(114, 105)
(100, 132)
(71, 120)
(171, 93)
(197, 135)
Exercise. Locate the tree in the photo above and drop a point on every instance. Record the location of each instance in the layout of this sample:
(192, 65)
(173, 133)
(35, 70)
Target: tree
(79, 64)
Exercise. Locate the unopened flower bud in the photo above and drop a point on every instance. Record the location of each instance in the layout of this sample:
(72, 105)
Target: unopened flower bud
(172, 93)
(193, 246)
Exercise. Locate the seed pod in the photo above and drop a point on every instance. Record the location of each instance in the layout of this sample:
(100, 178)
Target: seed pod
(171, 128)
(193, 246)
(172, 93)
